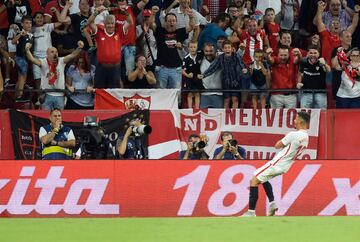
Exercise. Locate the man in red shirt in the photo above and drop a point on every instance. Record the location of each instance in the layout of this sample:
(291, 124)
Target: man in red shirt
(283, 76)
(129, 42)
(330, 39)
(253, 38)
(109, 39)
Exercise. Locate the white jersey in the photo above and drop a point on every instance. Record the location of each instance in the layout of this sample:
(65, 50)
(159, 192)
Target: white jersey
(60, 81)
(295, 142)
(42, 39)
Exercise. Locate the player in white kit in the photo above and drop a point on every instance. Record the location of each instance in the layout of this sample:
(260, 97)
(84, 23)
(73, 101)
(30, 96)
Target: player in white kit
(291, 147)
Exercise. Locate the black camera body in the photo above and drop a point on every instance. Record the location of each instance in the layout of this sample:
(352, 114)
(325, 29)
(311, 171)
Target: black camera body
(233, 142)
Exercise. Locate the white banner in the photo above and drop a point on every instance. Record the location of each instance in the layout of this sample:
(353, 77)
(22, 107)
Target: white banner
(153, 99)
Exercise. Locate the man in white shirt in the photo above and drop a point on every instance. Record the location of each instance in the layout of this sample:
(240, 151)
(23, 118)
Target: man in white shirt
(211, 99)
(291, 147)
(52, 74)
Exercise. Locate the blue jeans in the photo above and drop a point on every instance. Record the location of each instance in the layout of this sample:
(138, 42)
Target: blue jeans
(342, 102)
(168, 77)
(197, 4)
(318, 100)
(211, 101)
(128, 53)
(22, 65)
(51, 102)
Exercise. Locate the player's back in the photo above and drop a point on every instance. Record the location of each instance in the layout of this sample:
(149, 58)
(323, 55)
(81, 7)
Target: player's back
(295, 142)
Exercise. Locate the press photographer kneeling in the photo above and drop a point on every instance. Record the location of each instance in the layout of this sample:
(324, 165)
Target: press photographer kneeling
(195, 149)
(230, 149)
(132, 144)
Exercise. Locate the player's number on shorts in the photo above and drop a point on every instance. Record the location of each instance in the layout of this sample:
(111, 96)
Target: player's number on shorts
(195, 181)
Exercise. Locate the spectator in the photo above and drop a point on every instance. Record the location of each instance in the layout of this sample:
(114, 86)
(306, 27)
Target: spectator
(146, 42)
(100, 18)
(191, 72)
(272, 29)
(260, 79)
(42, 42)
(182, 19)
(339, 10)
(169, 40)
(4, 22)
(17, 10)
(109, 39)
(195, 149)
(253, 38)
(128, 47)
(234, 73)
(230, 150)
(53, 9)
(213, 81)
(78, 20)
(5, 56)
(213, 31)
(345, 39)
(142, 77)
(52, 74)
(290, 10)
(20, 40)
(283, 76)
(313, 76)
(330, 38)
(80, 77)
(348, 95)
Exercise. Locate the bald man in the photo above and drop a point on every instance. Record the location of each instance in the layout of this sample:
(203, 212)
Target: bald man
(52, 74)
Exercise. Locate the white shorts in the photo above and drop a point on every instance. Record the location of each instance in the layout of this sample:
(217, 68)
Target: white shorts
(269, 171)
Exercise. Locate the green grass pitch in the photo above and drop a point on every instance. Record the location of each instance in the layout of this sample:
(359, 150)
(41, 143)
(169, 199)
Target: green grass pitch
(219, 229)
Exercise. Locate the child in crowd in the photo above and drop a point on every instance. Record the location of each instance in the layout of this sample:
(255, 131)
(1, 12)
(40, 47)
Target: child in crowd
(234, 73)
(98, 20)
(191, 73)
(20, 40)
(260, 79)
(272, 29)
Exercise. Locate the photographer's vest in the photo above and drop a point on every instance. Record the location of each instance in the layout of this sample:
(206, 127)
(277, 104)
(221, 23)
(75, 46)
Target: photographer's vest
(55, 152)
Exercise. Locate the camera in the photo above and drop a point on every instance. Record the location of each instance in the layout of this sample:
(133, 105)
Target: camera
(200, 144)
(233, 142)
(142, 129)
(91, 139)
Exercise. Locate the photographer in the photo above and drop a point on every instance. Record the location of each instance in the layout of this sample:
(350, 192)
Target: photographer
(195, 149)
(131, 145)
(230, 149)
(56, 139)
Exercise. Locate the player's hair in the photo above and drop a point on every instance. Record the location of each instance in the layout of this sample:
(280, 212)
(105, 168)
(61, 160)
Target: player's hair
(258, 51)
(192, 42)
(170, 14)
(305, 116)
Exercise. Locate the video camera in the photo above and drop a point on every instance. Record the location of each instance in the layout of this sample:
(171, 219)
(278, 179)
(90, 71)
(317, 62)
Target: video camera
(200, 144)
(91, 139)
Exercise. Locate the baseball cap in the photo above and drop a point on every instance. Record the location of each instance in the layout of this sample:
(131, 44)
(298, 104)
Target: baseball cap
(146, 13)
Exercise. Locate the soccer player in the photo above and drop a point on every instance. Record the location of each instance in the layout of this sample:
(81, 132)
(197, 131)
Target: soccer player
(291, 147)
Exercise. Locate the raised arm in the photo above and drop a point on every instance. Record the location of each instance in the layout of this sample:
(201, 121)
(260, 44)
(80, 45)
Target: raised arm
(141, 4)
(172, 5)
(64, 18)
(355, 20)
(75, 53)
(30, 56)
(318, 17)
(191, 25)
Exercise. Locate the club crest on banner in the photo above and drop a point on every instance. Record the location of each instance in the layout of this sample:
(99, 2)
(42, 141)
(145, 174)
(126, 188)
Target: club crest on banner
(137, 102)
(200, 123)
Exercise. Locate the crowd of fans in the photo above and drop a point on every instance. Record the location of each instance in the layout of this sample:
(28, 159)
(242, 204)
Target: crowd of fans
(304, 51)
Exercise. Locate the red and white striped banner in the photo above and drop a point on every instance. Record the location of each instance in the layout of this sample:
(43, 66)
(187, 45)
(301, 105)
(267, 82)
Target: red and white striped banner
(153, 99)
(255, 130)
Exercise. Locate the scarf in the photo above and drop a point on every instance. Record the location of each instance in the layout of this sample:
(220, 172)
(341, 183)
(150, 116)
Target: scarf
(344, 62)
(52, 75)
